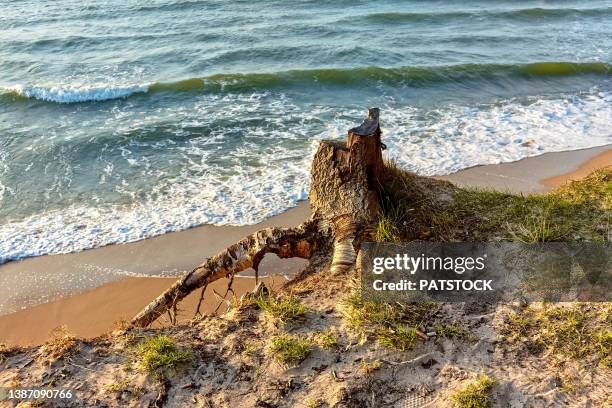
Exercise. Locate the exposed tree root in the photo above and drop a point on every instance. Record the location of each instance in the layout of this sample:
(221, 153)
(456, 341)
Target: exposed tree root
(298, 242)
(345, 202)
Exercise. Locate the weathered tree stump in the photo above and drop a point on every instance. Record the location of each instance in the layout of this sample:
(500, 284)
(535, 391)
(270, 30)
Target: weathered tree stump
(343, 194)
(345, 203)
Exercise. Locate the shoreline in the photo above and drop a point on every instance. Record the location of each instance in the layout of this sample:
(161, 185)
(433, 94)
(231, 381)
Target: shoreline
(46, 278)
(100, 310)
(116, 281)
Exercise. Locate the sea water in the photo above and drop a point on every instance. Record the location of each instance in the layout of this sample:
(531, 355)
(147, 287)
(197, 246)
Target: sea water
(122, 120)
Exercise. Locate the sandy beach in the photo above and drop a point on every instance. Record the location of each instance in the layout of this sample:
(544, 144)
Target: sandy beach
(535, 174)
(97, 311)
(90, 291)
(43, 279)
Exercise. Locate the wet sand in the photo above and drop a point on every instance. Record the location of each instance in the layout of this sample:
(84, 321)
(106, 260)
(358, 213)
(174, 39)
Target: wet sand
(43, 279)
(91, 290)
(98, 311)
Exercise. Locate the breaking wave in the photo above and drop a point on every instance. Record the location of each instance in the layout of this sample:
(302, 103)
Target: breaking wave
(408, 76)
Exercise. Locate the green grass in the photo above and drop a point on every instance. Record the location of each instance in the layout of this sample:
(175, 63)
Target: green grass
(314, 403)
(575, 331)
(326, 339)
(392, 325)
(124, 387)
(159, 353)
(475, 394)
(398, 338)
(118, 386)
(289, 350)
(420, 208)
(285, 310)
(387, 230)
(603, 343)
(251, 349)
(452, 331)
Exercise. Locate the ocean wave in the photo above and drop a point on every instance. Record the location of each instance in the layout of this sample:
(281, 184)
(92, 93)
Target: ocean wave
(74, 94)
(359, 77)
(515, 14)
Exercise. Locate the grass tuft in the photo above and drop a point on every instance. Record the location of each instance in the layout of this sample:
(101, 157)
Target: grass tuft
(422, 208)
(158, 353)
(603, 342)
(453, 331)
(124, 386)
(285, 310)
(314, 403)
(326, 339)
(573, 331)
(387, 230)
(475, 394)
(290, 350)
(370, 367)
(394, 326)
(60, 345)
(251, 349)
(397, 338)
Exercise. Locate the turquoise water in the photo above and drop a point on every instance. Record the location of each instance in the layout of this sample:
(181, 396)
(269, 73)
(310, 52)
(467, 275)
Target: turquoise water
(124, 120)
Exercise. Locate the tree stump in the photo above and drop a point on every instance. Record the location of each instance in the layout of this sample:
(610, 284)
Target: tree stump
(345, 203)
(344, 189)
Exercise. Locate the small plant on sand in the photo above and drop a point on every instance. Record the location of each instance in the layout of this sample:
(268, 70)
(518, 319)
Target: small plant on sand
(285, 310)
(159, 353)
(604, 345)
(290, 350)
(369, 367)
(475, 394)
(393, 325)
(567, 384)
(397, 338)
(326, 339)
(575, 331)
(251, 349)
(123, 386)
(314, 403)
(60, 345)
(453, 331)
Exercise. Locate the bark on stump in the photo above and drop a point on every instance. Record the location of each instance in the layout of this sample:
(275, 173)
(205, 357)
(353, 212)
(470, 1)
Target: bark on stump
(345, 203)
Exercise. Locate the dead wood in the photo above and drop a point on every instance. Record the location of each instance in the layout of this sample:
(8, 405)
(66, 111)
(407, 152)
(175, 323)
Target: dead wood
(345, 203)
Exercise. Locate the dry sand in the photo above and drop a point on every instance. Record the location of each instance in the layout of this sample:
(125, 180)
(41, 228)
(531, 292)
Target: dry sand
(91, 290)
(534, 174)
(601, 160)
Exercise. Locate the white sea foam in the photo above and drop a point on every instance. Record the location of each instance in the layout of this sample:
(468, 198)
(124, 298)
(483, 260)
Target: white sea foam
(461, 137)
(74, 94)
(439, 142)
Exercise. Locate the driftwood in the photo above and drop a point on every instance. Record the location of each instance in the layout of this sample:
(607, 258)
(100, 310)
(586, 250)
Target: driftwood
(344, 200)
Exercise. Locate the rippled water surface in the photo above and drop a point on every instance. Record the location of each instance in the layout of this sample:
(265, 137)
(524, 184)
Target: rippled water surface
(124, 120)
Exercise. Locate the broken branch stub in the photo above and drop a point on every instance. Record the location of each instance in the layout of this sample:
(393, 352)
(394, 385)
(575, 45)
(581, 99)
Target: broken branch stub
(344, 199)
